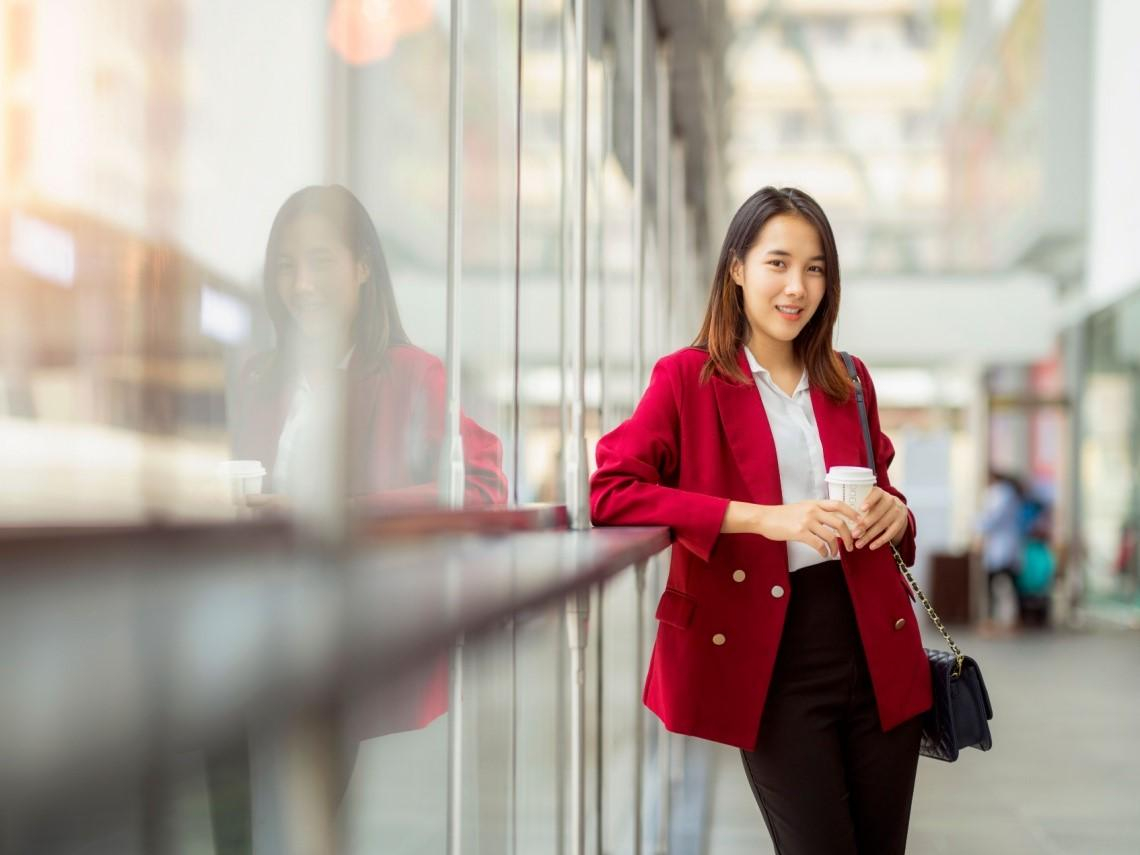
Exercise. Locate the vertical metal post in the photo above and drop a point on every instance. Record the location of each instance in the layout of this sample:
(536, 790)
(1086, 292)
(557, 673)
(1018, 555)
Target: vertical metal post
(665, 770)
(452, 475)
(609, 71)
(678, 237)
(451, 459)
(577, 500)
(577, 618)
(664, 190)
(514, 478)
(561, 733)
(455, 752)
(513, 760)
(639, 13)
(578, 605)
(565, 227)
(599, 730)
(664, 751)
(638, 710)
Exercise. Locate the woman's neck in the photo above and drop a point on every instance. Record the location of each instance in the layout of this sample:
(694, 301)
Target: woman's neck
(776, 356)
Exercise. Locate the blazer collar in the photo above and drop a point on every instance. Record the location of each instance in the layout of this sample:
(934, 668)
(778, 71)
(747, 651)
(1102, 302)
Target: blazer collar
(750, 435)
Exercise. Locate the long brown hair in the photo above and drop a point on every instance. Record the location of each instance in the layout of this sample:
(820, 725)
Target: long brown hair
(376, 326)
(725, 327)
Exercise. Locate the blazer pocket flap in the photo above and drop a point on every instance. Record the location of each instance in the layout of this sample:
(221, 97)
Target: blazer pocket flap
(676, 608)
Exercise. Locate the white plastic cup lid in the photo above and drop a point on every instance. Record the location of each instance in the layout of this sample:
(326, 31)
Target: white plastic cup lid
(850, 475)
(241, 469)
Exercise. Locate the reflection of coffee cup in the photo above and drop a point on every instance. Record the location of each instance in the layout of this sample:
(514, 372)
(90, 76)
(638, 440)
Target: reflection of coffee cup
(245, 477)
(850, 484)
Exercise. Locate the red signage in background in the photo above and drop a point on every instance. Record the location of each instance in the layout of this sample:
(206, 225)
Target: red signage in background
(364, 31)
(1047, 426)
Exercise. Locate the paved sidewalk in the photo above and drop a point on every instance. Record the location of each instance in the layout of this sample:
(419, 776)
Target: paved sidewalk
(1063, 777)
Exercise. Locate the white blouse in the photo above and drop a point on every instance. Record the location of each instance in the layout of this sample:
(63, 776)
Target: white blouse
(798, 448)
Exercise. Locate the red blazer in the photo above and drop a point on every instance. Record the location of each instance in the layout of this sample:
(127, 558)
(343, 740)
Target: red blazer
(395, 429)
(685, 452)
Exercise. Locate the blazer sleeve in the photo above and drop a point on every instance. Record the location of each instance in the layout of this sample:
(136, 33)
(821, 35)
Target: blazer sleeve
(884, 454)
(485, 483)
(635, 462)
(484, 480)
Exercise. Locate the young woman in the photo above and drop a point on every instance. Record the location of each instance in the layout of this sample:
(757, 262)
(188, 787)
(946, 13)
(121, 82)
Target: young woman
(785, 628)
(325, 278)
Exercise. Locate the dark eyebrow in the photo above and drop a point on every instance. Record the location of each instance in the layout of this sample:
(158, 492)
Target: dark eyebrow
(787, 254)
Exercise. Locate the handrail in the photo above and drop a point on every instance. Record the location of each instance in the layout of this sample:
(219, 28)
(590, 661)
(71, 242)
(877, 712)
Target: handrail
(177, 647)
(19, 544)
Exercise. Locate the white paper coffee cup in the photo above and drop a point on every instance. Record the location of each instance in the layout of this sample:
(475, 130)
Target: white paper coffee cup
(850, 484)
(245, 477)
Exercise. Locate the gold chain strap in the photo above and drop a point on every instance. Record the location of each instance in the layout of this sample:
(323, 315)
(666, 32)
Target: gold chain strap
(929, 610)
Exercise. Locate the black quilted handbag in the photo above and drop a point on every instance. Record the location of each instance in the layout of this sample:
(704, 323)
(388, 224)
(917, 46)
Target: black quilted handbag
(961, 712)
(960, 715)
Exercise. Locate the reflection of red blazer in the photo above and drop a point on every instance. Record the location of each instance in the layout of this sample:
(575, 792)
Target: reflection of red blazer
(395, 428)
(687, 450)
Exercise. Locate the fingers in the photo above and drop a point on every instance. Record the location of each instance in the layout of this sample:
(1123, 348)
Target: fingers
(822, 548)
(840, 508)
(816, 542)
(829, 536)
(871, 534)
(841, 528)
(888, 536)
(882, 520)
(875, 519)
(891, 527)
(874, 498)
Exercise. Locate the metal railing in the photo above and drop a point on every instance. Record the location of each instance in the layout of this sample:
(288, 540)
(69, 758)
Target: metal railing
(113, 665)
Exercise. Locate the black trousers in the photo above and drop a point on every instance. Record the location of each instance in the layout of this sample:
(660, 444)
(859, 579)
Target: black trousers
(827, 779)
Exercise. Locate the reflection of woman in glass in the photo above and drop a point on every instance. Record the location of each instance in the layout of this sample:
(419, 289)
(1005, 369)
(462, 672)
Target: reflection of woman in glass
(326, 281)
(326, 277)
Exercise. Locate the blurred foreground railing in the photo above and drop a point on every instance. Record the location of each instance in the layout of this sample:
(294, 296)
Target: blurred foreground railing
(125, 653)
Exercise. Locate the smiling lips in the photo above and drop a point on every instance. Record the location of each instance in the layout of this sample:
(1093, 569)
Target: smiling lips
(790, 313)
(310, 305)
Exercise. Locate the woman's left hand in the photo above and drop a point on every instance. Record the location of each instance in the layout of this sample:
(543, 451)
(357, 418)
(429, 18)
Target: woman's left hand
(883, 519)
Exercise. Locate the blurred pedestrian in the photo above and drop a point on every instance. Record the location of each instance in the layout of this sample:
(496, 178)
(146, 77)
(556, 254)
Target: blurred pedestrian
(1000, 528)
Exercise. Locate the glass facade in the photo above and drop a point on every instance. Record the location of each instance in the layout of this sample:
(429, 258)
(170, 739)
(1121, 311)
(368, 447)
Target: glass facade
(186, 323)
(261, 265)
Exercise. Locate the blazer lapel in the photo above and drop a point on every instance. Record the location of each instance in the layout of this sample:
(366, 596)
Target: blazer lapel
(749, 434)
(362, 394)
(835, 423)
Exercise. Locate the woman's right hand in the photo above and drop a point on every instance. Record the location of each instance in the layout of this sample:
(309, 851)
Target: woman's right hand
(820, 524)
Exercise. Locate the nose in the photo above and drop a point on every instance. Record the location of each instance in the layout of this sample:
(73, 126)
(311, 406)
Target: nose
(304, 282)
(794, 284)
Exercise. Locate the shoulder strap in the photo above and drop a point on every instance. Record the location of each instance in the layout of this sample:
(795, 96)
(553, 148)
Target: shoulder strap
(854, 375)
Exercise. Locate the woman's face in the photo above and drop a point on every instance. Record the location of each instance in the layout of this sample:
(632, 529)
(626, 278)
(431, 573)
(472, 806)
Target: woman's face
(317, 276)
(783, 278)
